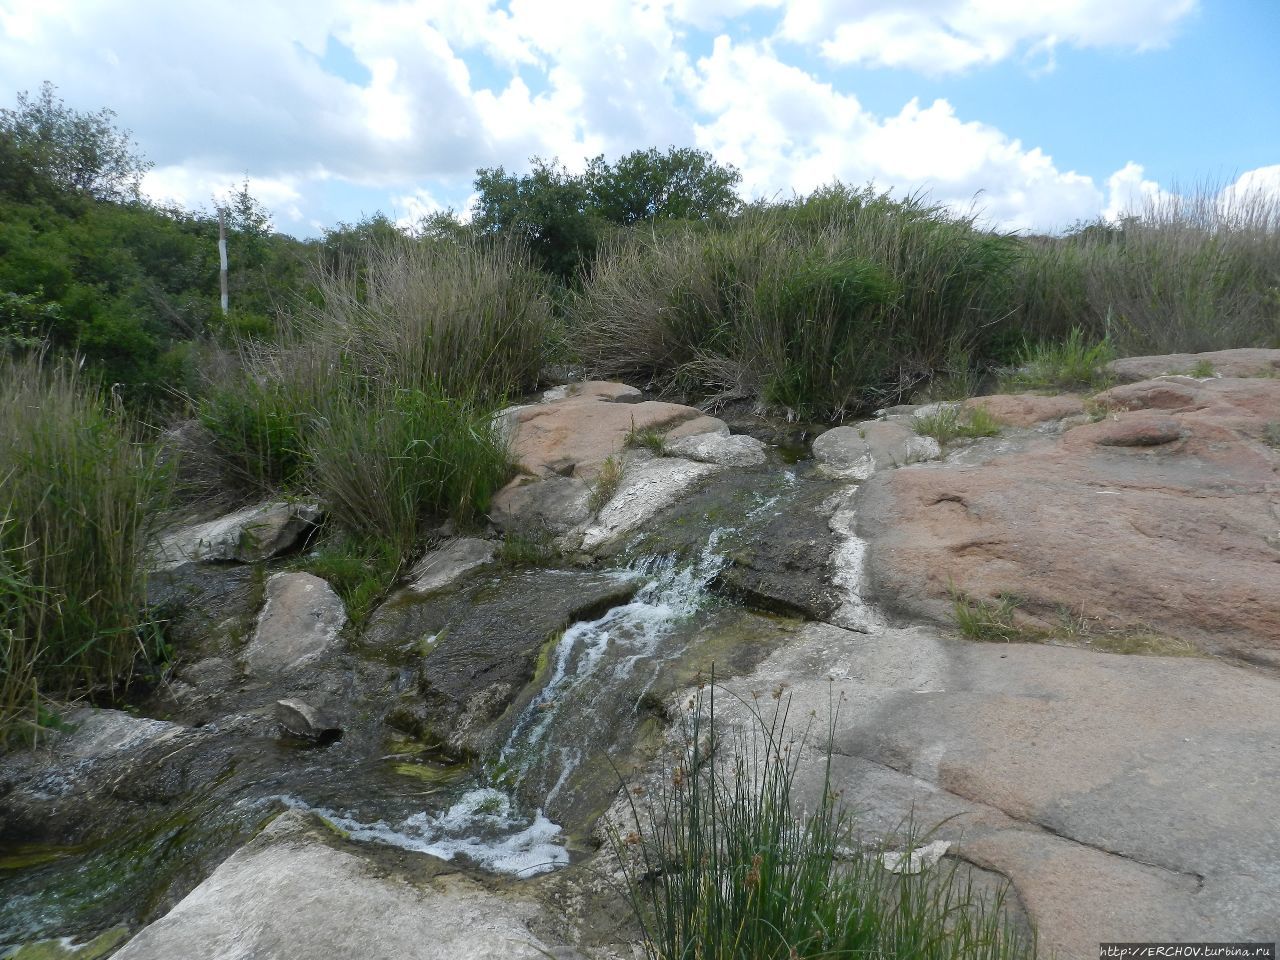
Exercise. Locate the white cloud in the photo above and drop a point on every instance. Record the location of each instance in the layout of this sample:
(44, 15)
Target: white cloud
(940, 36)
(783, 127)
(218, 90)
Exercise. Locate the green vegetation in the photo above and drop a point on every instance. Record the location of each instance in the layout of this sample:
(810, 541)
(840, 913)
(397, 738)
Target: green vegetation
(724, 863)
(360, 573)
(952, 421)
(76, 492)
(654, 441)
(1203, 369)
(996, 622)
(532, 546)
(606, 484)
(1071, 364)
(1271, 433)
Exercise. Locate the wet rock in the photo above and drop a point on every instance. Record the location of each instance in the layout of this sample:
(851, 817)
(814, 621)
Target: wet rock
(1244, 362)
(289, 895)
(857, 452)
(249, 535)
(204, 606)
(574, 435)
(445, 565)
(783, 565)
(554, 504)
(98, 734)
(1028, 409)
(301, 719)
(1124, 796)
(646, 489)
(299, 624)
(478, 648)
(1170, 539)
(727, 451)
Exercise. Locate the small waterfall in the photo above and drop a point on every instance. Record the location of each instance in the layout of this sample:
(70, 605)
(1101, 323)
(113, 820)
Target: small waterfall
(600, 671)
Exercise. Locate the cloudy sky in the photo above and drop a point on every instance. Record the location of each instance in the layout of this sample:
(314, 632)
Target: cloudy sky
(1041, 112)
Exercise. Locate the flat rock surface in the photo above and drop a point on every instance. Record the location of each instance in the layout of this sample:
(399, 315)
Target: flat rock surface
(1242, 362)
(646, 488)
(299, 623)
(1127, 798)
(1028, 409)
(1181, 538)
(288, 895)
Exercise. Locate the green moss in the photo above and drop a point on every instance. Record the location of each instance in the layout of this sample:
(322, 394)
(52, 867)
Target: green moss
(99, 946)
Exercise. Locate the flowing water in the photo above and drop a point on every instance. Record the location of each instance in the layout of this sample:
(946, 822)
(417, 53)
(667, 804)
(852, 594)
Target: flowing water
(592, 701)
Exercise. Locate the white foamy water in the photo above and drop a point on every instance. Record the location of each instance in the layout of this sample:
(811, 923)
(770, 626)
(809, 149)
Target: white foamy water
(630, 633)
(848, 565)
(480, 826)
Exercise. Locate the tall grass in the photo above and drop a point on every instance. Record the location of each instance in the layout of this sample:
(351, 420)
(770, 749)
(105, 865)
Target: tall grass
(836, 302)
(376, 397)
(471, 319)
(385, 460)
(725, 864)
(1183, 273)
(76, 491)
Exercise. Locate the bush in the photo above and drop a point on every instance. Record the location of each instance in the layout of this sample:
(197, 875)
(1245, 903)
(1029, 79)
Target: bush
(386, 460)
(1070, 364)
(471, 320)
(835, 303)
(1184, 274)
(76, 489)
(725, 865)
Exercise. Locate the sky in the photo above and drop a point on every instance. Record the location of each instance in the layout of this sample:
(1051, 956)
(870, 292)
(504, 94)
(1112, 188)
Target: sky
(1035, 113)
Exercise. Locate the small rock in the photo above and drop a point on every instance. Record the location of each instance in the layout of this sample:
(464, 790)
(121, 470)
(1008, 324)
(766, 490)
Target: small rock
(856, 452)
(249, 535)
(303, 720)
(441, 567)
(300, 622)
(728, 451)
(916, 859)
(104, 733)
(697, 426)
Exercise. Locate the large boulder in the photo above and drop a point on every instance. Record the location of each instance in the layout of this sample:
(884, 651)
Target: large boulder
(554, 504)
(1163, 517)
(300, 622)
(572, 435)
(248, 535)
(293, 894)
(728, 451)
(1242, 362)
(646, 488)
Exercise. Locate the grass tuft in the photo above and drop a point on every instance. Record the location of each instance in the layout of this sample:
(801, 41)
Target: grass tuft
(1070, 364)
(953, 422)
(725, 862)
(606, 484)
(652, 440)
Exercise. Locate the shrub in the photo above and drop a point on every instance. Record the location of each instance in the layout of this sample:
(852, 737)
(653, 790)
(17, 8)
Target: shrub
(76, 489)
(469, 319)
(838, 302)
(386, 459)
(724, 864)
(1073, 363)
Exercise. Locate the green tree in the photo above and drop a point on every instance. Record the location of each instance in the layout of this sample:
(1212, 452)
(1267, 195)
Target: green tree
(549, 207)
(82, 152)
(680, 184)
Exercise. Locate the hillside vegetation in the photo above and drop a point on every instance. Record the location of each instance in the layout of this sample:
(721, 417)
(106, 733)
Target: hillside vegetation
(362, 367)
